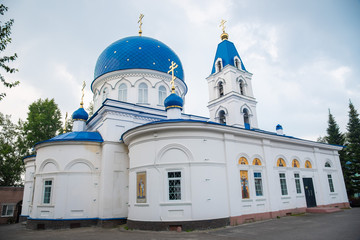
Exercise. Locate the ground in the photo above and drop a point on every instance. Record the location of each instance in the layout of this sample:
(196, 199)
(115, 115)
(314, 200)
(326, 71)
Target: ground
(344, 225)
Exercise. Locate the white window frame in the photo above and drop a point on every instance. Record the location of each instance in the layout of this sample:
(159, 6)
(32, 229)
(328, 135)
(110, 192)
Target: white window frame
(44, 191)
(181, 178)
(286, 192)
(331, 183)
(297, 183)
(6, 206)
(261, 183)
(122, 92)
(143, 93)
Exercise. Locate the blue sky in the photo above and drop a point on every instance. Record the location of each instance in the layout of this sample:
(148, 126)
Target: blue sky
(304, 55)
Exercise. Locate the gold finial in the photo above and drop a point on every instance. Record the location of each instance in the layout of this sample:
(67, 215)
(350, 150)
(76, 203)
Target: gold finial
(82, 97)
(65, 124)
(172, 82)
(224, 35)
(140, 21)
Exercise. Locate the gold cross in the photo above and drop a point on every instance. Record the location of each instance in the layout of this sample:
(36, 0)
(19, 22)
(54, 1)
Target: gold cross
(172, 82)
(222, 25)
(82, 97)
(140, 21)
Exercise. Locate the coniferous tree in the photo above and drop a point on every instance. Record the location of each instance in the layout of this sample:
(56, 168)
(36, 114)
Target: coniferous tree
(334, 136)
(353, 149)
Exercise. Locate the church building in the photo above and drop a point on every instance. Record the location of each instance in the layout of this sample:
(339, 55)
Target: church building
(139, 159)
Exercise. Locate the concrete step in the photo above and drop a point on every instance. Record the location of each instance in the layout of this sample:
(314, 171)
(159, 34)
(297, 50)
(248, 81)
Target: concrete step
(323, 210)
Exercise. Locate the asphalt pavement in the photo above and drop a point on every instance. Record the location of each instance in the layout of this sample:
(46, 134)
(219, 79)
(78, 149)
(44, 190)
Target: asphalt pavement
(344, 225)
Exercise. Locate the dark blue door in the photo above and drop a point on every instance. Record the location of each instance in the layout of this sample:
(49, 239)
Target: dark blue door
(309, 192)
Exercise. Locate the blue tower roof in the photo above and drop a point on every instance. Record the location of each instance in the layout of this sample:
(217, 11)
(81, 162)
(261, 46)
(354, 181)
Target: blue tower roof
(80, 114)
(173, 101)
(226, 50)
(137, 52)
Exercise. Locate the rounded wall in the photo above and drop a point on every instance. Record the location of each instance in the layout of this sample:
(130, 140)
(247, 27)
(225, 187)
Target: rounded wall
(67, 181)
(140, 86)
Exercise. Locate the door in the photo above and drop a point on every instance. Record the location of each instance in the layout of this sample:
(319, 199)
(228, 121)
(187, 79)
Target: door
(309, 192)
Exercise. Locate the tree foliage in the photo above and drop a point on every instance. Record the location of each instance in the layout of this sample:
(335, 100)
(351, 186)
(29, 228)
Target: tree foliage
(12, 151)
(43, 121)
(353, 149)
(5, 39)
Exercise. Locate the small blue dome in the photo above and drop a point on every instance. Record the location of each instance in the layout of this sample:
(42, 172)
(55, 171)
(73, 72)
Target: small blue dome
(173, 101)
(137, 52)
(279, 127)
(80, 114)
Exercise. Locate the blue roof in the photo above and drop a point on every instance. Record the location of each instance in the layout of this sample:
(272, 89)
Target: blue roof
(173, 100)
(76, 136)
(80, 114)
(226, 50)
(278, 127)
(137, 52)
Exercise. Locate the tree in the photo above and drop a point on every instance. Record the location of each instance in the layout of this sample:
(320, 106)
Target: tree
(353, 149)
(43, 121)
(334, 136)
(11, 152)
(5, 31)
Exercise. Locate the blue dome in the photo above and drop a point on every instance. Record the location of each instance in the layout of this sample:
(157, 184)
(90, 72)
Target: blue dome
(137, 52)
(80, 114)
(173, 101)
(279, 127)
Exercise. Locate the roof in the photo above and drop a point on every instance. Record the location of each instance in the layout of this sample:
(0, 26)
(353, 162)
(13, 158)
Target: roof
(137, 52)
(80, 114)
(76, 136)
(226, 50)
(173, 101)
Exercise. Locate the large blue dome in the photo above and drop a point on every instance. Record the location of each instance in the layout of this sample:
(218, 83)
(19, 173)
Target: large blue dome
(137, 52)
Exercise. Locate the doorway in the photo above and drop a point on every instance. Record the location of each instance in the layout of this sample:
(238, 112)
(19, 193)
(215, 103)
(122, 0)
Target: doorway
(309, 192)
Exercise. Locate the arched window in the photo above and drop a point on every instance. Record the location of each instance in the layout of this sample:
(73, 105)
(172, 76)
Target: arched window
(162, 95)
(237, 63)
(295, 163)
(105, 93)
(218, 66)
(221, 89)
(308, 164)
(246, 118)
(143, 93)
(123, 92)
(243, 161)
(256, 161)
(281, 163)
(222, 118)
(327, 164)
(242, 92)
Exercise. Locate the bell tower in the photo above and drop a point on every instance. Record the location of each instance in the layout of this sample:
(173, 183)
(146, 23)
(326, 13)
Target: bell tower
(231, 98)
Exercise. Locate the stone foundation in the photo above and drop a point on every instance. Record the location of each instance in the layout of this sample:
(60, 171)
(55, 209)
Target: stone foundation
(179, 225)
(39, 224)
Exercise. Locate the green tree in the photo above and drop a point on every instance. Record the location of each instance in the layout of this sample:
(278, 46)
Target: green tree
(5, 39)
(334, 136)
(43, 121)
(353, 149)
(11, 152)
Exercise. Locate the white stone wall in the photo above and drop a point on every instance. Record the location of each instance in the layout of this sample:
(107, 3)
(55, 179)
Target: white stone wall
(207, 156)
(28, 186)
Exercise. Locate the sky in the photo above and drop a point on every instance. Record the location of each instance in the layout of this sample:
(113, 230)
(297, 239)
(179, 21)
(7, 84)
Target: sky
(304, 55)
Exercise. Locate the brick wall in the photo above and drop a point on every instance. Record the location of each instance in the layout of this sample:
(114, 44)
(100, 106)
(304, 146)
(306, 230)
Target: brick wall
(11, 195)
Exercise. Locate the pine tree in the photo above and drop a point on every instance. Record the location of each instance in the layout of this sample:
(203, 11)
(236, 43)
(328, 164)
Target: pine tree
(334, 136)
(353, 150)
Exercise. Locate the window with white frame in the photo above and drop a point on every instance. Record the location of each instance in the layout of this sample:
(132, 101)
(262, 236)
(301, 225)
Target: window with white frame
(143, 93)
(174, 179)
(162, 95)
(47, 191)
(297, 182)
(123, 92)
(283, 184)
(7, 210)
(105, 94)
(258, 184)
(331, 184)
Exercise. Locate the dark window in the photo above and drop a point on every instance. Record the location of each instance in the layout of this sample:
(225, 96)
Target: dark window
(222, 118)
(297, 183)
(331, 185)
(237, 63)
(221, 89)
(219, 66)
(283, 184)
(258, 184)
(327, 164)
(174, 185)
(246, 118)
(241, 87)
